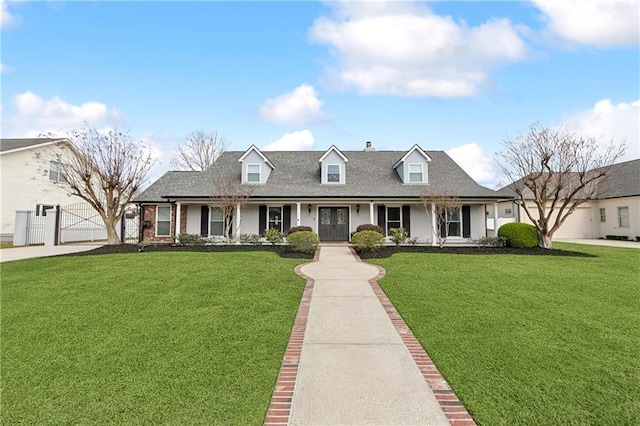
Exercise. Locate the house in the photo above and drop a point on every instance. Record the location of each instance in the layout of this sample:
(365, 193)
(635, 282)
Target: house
(615, 210)
(332, 192)
(29, 179)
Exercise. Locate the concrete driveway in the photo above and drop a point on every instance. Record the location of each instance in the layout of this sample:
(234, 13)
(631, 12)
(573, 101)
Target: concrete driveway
(28, 252)
(595, 242)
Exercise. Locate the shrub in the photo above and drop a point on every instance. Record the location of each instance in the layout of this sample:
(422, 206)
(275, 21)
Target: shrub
(294, 229)
(491, 242)
(274, 236)
(303, 241)
(253, 239)
(191, 240)
(617, 237)
(519, 234)
(367, 240)
(370, 227)
(398, 235)
(413, 241)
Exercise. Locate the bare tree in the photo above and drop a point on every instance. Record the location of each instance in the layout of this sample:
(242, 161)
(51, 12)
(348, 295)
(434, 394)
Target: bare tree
(444, 205)
(229, 195)
(555, 170)
(105, 169)
(199, 151)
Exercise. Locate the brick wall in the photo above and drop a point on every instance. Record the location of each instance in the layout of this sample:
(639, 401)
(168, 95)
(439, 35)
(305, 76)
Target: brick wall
(149, 234)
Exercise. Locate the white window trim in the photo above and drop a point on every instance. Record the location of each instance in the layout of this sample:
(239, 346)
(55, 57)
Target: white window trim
(386, 218)
(281, 207)
(603, 215)
(421, 172)
(339, 174)
(156, 228)
(259, 172)
(627, 217)
(446, 227)
(60, 170)
(211, 208)
(41, 208)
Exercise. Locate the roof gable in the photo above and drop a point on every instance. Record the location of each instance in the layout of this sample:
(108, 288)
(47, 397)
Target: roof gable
(13, 145)
(413, 148)
(255, 149)
(333, 148)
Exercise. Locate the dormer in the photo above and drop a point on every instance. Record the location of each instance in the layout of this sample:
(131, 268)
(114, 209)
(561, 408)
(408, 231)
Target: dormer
(333, 166)
(413, 167)
(256, 167)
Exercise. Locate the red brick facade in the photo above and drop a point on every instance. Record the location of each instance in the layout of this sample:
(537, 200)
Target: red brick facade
(149, 233)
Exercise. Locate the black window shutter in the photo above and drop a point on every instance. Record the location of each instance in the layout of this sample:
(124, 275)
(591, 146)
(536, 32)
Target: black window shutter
(406, 219)
(262, 219)
(204, 221)
(286, 218)
(382, 219)
(466, 221)
(443, 225)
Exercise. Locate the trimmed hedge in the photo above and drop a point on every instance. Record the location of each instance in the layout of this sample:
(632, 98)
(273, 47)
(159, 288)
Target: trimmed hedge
(303, 241)
(370, 227)
(294, 229)
(367, 240)
(517, 234)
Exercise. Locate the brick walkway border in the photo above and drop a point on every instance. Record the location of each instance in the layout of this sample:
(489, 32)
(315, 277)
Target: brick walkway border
(279, 409)
(449, 402)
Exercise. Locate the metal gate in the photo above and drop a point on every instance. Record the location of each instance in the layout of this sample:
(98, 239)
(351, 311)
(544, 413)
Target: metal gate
(36, 226)
(130, 229)
(80, 222)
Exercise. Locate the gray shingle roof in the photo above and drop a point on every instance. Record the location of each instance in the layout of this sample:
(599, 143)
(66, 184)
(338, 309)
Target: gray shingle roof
(623, 181)
(297, 175)
(11, 144)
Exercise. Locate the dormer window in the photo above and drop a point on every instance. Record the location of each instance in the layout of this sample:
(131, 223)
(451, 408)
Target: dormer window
(253, 173)
(416, 173)
(333, 173)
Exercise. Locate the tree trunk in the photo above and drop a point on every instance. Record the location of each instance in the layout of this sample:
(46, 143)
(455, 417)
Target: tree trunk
(544, 240)
(112, 233)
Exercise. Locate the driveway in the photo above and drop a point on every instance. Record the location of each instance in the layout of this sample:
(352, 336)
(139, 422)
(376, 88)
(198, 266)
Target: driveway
(28, 252)
(595, 242)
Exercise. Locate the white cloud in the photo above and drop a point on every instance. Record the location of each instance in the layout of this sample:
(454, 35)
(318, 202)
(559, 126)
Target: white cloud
(298, 108)
(607, 121)
(477, 163)
(405, 49)
(594, 22)
(35, 115)
(7, 20)
(294, 141)
(5, 69)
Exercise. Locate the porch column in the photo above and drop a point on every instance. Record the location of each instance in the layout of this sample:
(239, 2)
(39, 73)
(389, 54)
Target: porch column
(371, 212)
(177, 224)
(238, 220)
(495, 219)
(297, 214)
(434, 226)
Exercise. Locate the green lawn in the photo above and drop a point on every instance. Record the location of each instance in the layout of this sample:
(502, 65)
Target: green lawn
(178, 338)
(534, 340)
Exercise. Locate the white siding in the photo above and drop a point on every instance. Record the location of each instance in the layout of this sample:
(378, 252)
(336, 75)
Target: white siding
(333, 158)
(254, 158)
(610, 227)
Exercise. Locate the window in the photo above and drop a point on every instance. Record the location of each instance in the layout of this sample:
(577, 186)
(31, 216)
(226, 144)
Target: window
(57, 172)
(216, 222)
(603, 215)
(41, 209)
(623, 217)
(507, 211)
(415, 173)
(454, 227)
(394, 218)
(163, 221)
(274, 218)
(333, 173)
(253, 173)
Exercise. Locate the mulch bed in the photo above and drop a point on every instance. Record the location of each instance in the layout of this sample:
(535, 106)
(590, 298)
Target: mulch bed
(285, 251)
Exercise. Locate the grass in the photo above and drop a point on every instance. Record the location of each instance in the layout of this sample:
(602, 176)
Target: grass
(173, 338)
(529, 339)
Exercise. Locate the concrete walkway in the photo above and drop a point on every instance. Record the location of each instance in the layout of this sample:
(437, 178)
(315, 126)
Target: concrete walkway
(28, 252)
(354, 367)
(596, 242)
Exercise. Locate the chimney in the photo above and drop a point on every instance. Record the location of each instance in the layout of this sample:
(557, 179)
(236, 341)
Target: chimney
(369, 148)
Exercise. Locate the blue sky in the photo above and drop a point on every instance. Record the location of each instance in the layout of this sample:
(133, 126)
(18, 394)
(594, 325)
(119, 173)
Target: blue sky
(459, 76)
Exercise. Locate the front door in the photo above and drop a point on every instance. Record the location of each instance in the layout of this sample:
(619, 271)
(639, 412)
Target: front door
(334, 224)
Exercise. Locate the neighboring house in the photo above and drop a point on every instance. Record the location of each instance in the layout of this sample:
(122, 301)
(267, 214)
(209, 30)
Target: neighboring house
(332, 192)
(614, 211)
(28, 179)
